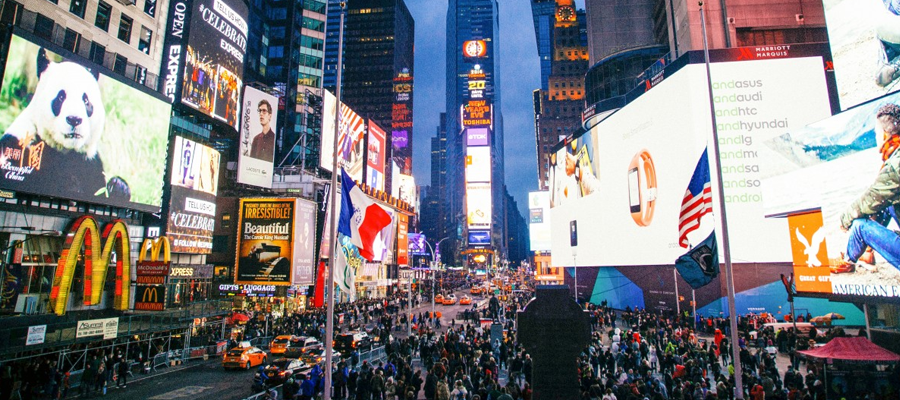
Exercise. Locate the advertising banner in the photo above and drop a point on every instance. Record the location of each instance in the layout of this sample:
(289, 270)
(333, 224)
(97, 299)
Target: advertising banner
(214, 64)
(106, 327)
(407, 189)
(477, 113)
(478, 164)
(417, 246)
(351, 137)
(478, 205)
(477, 137)
(192, 209)
(865, 43)
(257, 149)
(842, 169)
(36, 335)
(150, 297)
(71, 135)
(171, 83)
(375, 155)
(403, 240)
(402, 121)
(479, 238)
(265, 241)
(304, 243)
(644, 169)
(539, 220)
(227, 289)
(151, 272)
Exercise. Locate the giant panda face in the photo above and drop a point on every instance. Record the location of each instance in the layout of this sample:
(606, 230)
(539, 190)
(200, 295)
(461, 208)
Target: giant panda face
(69, 111)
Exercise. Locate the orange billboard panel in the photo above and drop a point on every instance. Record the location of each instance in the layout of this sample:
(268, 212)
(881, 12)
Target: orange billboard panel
(809, 253)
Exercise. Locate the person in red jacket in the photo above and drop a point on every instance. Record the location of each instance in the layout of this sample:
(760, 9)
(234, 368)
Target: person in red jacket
(758, 393)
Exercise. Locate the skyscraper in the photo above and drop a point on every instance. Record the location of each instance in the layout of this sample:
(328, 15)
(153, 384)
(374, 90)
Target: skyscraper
(474, 126)
(378, 72)
(285, 55)
(558, 111)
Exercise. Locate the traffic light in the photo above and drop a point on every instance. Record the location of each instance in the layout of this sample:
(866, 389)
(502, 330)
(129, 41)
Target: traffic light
(680, 298)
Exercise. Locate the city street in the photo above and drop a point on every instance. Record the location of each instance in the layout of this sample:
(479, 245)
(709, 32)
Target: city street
(208, 380)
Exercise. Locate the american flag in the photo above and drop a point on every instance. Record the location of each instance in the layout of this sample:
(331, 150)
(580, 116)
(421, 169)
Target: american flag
(697, 201)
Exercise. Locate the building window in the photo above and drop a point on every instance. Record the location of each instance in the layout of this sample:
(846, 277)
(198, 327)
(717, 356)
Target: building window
(97, 53)
(121, 64)
(70, 41)
(150, 7)
(125, 29)
(43, 26)
(104, 12)
(144, 41)
(77, 7)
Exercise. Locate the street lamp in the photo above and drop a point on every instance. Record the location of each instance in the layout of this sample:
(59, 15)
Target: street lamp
(434, 265)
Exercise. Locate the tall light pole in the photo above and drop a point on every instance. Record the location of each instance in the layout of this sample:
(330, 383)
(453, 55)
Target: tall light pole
(329, 324)
(434, 269)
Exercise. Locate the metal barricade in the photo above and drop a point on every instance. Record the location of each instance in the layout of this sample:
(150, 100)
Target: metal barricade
(262, 395)
(374, 355)
(161, 359)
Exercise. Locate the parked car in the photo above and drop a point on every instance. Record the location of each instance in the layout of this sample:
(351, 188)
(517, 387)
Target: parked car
(243, 357)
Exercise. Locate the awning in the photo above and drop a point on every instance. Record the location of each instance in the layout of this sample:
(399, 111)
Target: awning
(853, 350)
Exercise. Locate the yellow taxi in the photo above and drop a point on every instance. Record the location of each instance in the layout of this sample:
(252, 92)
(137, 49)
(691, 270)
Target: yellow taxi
(449, 300)
(439, 299)
(475, 290)
(280, 344)
(244, 357)
(465, 300)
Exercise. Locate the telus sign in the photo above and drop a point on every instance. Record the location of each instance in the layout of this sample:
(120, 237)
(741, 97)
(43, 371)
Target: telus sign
(477, 137)
(179, 13)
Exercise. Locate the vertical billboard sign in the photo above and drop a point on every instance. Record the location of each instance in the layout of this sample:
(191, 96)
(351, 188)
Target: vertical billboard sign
(304, 243)
(265, 241)
(403, 240)
(179, 14)
(402, 121)
(478, 164)
(214, 64)
(192, 209)
(539, 220)
(375, 154)
(865, 43)
(478, 205)
(257, 148)
(407, 189)
(351, 138)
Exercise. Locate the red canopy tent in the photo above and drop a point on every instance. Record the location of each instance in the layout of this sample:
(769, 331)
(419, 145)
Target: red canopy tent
(853, 350)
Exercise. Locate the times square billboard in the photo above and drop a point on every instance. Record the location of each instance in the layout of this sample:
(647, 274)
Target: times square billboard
(205, 45)
(797, 181)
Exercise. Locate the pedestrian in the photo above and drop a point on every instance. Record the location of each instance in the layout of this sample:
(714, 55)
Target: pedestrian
(122, 371)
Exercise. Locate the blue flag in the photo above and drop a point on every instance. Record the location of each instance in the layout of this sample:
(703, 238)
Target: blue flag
(700, 265)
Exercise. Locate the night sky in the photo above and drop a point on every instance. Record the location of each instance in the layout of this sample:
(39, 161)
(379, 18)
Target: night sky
(519, 76)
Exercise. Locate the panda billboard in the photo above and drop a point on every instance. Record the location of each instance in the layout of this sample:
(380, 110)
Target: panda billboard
(214, 60)
(73, 134)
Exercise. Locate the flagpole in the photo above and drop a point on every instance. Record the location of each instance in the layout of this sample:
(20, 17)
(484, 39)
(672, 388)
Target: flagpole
(726, 249)
(329, 323)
